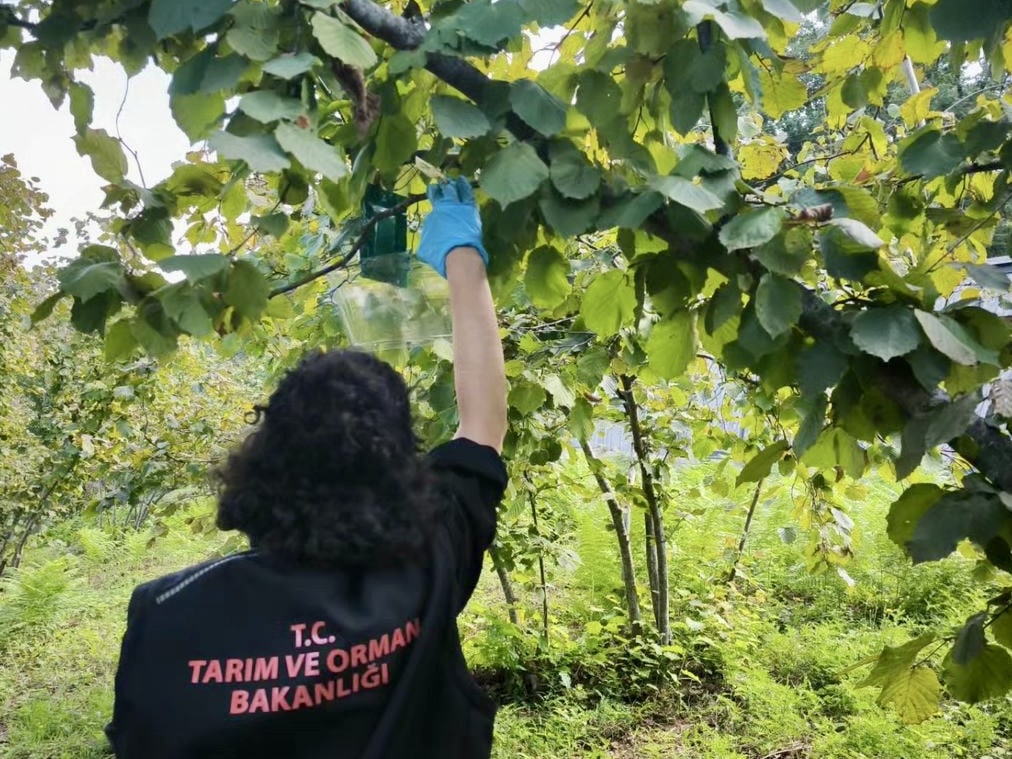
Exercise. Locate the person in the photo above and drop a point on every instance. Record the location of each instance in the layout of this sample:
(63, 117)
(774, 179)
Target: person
(335, 634)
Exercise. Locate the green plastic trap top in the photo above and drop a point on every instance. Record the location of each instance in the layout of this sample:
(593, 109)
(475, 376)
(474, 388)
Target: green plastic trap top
(384, 255)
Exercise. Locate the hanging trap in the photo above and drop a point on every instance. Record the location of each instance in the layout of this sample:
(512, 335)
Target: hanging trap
(391, 301)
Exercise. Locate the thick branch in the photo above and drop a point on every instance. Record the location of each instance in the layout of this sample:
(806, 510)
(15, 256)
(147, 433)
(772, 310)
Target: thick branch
(403, 34)
(654, 509)
(8, 17)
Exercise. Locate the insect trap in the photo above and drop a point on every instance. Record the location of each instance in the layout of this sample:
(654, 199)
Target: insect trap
(391, 301)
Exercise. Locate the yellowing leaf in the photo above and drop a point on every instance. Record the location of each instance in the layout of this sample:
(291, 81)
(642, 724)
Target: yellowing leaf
(781, 93)
(916, 109)
(761, 160)
(843, 55)
(915, 693)
(889, 51)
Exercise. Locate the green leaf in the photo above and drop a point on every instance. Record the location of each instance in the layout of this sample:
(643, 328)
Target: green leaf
(778, 304)
(537, 107)
(247, 290)
(572, 174)
(747, 230)
(989, 277)
(581, 420)
(724, 113)
(82, 105)
(787, 252)
(858, 232)
(106, 154)
(836, 448)
(547, 277)
(195, 267)
(513, 174)
(671, 346)
(168, 17)
(631, 211)
(987, 676)
(45, 309)
(886, 332)
(526, 397)
(223, 73)
(845, 258)
(1001, 628)
(396, 142)
(950, 338)
(568, 217)
(907, 510)
(955, 517)
(686, 193)
(266, 106)
(311, 151)
(119, 341)
(255, 33)
(289, 66)
(931, 154)
(260, 151)
(274, 224)
(784, 9)
(183, 305)
(894, 660)
(197, 115)
(970, 639)
(84, 278)
(760, 465)
(811, 426)
(707, 70)
(820, 366)
(945, 423)
(561, 393)
(599, 97)
(548, 13)
(915, 694)
(90, 317)
(686, 109)
(609, 303)
(966, 20)
(343, 42)
(458, 118)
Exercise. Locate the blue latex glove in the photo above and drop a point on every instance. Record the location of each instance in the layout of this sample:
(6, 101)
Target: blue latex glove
(453, 223)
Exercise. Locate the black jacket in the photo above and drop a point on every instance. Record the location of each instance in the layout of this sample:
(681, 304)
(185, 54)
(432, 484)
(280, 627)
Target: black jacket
(254, 656)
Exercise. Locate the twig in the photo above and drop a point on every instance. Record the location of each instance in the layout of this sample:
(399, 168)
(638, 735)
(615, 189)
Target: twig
(346, 259)
(253, 232)
(119, 136)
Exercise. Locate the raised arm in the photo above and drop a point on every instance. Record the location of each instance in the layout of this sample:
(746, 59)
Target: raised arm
(451, 243)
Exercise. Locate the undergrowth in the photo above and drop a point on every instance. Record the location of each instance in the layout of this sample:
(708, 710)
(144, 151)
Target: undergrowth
(761, 667)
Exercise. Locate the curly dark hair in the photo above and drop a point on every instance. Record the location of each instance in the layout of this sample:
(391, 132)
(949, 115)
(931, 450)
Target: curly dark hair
(332, 475)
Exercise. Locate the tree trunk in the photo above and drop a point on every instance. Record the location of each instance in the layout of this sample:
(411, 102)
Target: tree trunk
(650, 547)
(655, 512)
(632, 598)
(16, 560)
(533, 500)
(744, 533)
(506, 584)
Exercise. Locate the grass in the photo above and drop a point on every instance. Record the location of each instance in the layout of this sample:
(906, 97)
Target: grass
(764, 668)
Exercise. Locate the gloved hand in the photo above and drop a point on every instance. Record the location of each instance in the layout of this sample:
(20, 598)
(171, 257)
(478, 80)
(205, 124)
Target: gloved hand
(453, 223)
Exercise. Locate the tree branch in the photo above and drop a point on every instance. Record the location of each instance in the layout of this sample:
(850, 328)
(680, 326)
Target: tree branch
(10, 19)
(355, 249)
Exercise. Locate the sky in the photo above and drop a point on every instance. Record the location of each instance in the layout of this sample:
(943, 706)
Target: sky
(41, 138)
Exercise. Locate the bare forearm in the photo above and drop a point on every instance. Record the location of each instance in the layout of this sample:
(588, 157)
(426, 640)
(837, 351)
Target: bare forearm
(479, 373)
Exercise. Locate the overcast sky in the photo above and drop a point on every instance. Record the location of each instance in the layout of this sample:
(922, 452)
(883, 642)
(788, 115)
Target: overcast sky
(41, 138)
